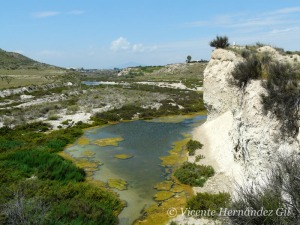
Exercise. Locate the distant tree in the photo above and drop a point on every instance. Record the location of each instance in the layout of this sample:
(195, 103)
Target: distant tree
(188, 59)
(220, 42)
(7, 78)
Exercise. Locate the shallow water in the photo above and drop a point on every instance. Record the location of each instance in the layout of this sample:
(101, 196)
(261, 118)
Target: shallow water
(146, 141)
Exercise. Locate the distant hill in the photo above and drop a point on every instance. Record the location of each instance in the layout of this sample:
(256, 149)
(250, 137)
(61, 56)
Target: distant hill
(16, 61)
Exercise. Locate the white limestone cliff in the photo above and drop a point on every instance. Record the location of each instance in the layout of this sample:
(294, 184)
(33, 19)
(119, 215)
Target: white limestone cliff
(241, 138)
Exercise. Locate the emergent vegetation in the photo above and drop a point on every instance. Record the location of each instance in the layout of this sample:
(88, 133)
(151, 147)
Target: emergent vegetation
(37, 186)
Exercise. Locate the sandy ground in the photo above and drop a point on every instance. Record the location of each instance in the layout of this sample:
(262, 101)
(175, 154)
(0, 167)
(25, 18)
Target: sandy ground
(216, 149)
(171, 85)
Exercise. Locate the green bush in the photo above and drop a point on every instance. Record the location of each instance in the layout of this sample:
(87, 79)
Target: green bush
(250, 69)
(192, 146)
(206, 201)
(108, 116)
(199, 157)
(280, 192)
(45, 165)
(283, 97)
(55, 193)
(220, 42)
(51, 202)
(193, 174)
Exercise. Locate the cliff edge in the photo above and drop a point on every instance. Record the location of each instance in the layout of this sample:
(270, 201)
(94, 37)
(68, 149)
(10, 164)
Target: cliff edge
(241, 139)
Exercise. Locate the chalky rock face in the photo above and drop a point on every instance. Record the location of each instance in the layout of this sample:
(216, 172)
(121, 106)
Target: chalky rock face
(252, 138)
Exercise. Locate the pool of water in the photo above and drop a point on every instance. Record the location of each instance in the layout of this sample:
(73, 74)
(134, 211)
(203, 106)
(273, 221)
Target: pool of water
(147, 141)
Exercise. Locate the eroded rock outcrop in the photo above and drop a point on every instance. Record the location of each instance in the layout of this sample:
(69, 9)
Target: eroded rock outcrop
(242, 138)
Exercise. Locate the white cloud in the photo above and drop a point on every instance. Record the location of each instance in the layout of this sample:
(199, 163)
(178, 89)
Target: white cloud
(138, 48)
(120, 44)
(45, 14)
(286, 10)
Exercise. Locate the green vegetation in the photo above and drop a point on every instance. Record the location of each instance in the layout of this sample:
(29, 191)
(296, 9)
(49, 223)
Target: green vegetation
(251, 69)
(206, 201)
(199, 157)
(283, 98)
(192, 146)
(281, 195)
(13, 61)
(220, 42)
(190, 101)
(188, 59)
(17, 70)
(37, 186)
(193, 174)
(282, 85)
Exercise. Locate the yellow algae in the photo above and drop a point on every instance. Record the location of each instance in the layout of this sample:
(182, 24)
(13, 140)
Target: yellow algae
(81, 163)
(177, 188)
(123, 156)
(164, 186)
(97, 183)
(108, 141)
(174, 198)
(176, 118)
(163, 195)
(177, 154)
(88, 153)
(117, 183)
(158, 214)
(83, 141)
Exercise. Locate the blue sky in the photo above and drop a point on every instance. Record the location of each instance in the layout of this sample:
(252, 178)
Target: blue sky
(112, 33)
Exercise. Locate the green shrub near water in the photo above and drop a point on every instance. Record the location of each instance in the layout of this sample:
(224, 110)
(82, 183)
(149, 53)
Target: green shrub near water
(55, 193)
(52, 202)
(193, 174)
(44, 165)
(192, 146)
(206, 201)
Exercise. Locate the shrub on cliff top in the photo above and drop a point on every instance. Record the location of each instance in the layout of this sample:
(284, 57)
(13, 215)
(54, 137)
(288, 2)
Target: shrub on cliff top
(220, 42)
(283, 98)
(250, 69)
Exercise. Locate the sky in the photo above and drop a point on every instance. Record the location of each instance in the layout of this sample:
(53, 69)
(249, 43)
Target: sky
(120, 33)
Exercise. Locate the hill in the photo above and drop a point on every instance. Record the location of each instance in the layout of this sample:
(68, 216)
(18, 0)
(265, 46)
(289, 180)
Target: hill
(18, 70)
(16, 61)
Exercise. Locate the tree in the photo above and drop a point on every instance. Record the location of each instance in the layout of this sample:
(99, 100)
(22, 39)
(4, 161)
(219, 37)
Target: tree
(188, 59)
(220, 42)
